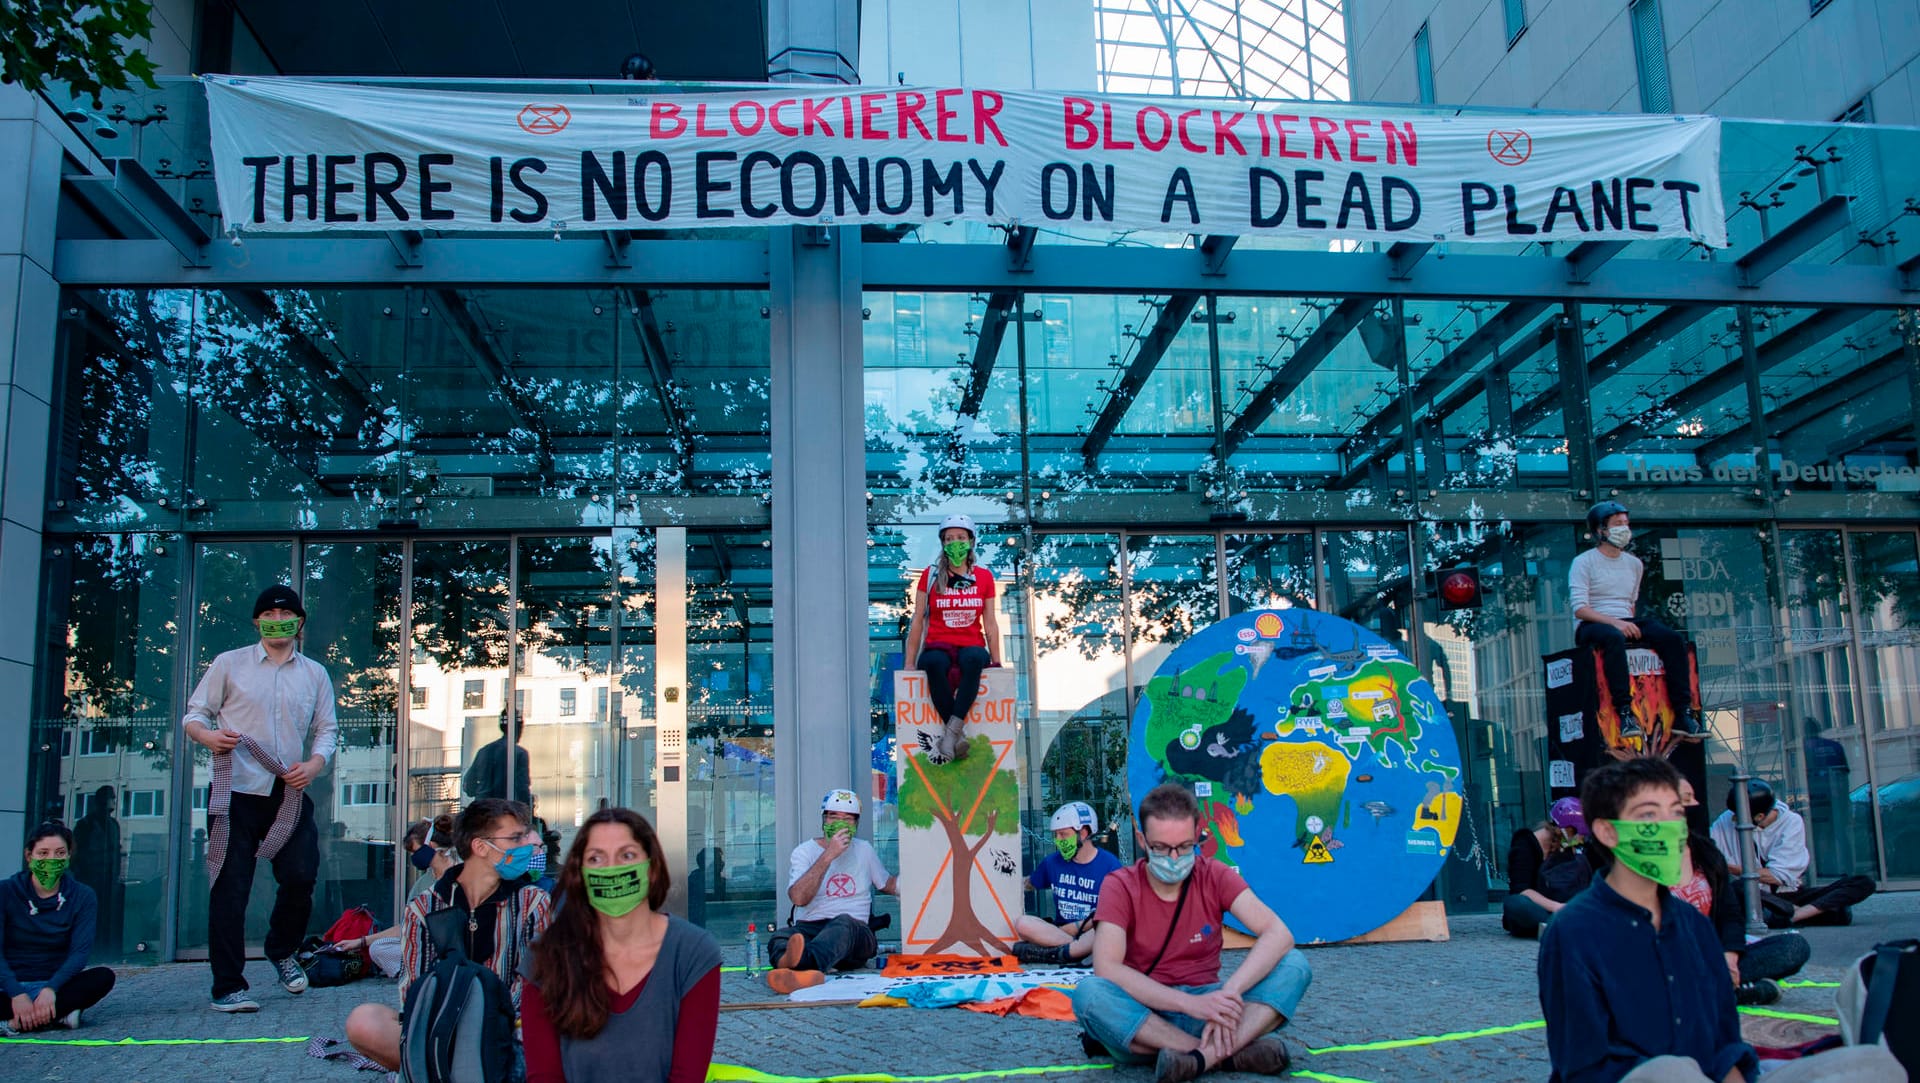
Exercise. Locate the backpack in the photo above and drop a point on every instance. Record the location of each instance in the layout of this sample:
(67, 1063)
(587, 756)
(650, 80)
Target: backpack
(353, 923)
(1880, 988)
(457, 1023)
(327, 965)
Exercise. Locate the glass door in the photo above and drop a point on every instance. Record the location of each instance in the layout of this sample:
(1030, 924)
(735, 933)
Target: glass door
(1885, 574)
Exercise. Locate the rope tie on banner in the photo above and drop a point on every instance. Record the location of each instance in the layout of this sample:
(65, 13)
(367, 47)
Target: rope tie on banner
(220, 801)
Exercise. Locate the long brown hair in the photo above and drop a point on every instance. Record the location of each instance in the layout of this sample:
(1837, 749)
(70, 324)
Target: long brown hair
(569, 962)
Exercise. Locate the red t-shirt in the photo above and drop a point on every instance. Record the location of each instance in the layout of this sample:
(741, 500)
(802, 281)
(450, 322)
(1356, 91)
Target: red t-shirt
(953, 616)
(1193, 952)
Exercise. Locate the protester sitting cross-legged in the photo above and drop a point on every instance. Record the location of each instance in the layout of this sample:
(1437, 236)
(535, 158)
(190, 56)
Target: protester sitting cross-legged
(1073, 877)
(47, 920)
(429, 847)
(1156, 991)
(505, 914)
(828, 882)
(1780, 845)
(1756, 966)
(1546, 867)
(619, 989)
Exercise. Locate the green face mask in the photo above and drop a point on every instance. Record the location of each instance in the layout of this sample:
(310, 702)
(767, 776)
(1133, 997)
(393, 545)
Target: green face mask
(48, 870)
(280, 629)
(957, 550)
(1652, 848)
(1068, 846)
(840, 828)
(616, 889)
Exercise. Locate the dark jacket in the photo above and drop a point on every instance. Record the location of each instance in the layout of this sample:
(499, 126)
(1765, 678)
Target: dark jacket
(44, 940)
(1617, 992)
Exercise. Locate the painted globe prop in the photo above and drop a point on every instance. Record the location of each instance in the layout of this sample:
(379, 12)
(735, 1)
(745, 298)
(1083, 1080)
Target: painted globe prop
(1325, 765)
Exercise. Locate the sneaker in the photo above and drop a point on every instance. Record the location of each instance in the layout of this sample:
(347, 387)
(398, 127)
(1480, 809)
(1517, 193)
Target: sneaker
(71, 1020)
(1630, 726)
(292, 978)
(1178, 1066)
(236, 1001)
(1756, 992)
(1262, 1056)
(785, 980)
(790, 958)
(1037, 954)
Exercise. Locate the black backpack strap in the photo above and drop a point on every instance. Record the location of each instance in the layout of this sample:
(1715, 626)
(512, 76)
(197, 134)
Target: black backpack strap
(1886, 974)
(444, 929)
(1171, 926)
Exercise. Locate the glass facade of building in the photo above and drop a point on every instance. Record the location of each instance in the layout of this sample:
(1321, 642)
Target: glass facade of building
(527, 480)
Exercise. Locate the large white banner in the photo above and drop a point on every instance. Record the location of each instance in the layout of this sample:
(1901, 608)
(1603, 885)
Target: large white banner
(293, 156)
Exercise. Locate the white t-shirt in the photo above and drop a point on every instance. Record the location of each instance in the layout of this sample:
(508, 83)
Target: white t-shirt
(1608, 585)
(846, 887)
(1781, 846)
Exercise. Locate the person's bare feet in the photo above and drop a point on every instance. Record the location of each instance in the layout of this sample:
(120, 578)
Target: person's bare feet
(785, 980)
(790, 957)
(1805, 913)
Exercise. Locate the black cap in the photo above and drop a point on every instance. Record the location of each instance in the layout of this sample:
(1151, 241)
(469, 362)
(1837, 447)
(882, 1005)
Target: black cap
(1760, 798)
(278, 596)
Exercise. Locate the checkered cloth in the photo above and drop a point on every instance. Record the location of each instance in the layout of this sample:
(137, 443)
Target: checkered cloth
(220, 802)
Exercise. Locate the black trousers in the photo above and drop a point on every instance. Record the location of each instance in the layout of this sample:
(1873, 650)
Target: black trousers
(1523, 917)
(1835, 902)
(1654, 636)
(842, 943)
(82, 991)
(949, 701)
(294, 870)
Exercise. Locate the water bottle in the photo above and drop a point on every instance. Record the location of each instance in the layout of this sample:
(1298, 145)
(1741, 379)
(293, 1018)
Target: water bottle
(753, 949)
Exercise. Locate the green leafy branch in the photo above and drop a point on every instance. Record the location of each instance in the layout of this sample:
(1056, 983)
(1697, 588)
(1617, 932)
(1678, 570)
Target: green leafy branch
(82, 43)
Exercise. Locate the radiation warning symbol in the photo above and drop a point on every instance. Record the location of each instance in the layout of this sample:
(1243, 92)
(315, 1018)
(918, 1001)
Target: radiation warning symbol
(1317, 853)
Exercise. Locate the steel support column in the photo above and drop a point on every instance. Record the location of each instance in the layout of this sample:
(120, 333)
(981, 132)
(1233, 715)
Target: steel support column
(817, 402)
(1576, 414)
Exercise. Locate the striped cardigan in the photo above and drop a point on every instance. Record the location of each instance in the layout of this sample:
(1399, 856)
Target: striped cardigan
(523, 914)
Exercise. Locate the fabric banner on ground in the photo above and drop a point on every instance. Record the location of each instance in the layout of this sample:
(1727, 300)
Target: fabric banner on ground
(298, 156)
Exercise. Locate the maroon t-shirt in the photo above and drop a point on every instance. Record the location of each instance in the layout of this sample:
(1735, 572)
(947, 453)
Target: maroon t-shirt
(1193, 952)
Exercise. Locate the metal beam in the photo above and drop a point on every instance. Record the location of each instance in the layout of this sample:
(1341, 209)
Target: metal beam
(986, 346)
(1401, 257)
(1458, 362)
(1794, 240)
(130, 199)
(659, 366)
(1153, 346)
(1728, 377)
(321, 369)
(1332, 331)
(1632, 346)
(1909, 272)
(453, 311)
(1587, 256)
(1214, 250)
(1885, 429)
(1809, 406)
(1503, 364)
(1019, 244)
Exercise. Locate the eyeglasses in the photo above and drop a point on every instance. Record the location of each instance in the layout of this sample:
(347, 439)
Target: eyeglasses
(525, 836)
(1182, 850)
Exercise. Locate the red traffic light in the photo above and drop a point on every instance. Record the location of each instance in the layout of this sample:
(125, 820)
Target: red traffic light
(1460, 589)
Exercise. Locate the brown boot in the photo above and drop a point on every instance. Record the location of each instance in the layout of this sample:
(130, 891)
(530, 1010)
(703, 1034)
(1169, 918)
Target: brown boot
(1263, 1056)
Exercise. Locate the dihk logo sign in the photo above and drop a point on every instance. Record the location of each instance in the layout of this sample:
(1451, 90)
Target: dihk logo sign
(544, 119)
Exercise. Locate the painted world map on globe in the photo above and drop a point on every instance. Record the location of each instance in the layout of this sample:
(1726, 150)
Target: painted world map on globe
(1325, 765)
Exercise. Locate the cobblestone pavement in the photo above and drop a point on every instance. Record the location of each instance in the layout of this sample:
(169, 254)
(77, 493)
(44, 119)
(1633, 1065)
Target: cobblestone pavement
(1480, 978)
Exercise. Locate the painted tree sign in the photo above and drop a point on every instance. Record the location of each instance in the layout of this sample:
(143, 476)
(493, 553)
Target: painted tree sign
(959, 822)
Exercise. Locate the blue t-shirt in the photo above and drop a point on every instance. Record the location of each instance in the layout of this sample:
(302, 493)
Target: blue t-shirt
(1075, 887)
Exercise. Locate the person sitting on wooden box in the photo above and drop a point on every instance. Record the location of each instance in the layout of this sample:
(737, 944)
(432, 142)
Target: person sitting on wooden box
(953, 610)
(1603, 586)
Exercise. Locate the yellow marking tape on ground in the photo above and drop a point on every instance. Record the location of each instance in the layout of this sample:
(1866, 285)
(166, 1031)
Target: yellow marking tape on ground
(1809, 985)
(152, 1041)
(1798, 1017)
(1432, 1039)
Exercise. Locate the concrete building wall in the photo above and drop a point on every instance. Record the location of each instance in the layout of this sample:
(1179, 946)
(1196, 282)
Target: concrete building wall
(1036, 44)
(1738, 58)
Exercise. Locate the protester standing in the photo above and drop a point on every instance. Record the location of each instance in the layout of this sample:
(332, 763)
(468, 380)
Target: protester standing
(266, 712)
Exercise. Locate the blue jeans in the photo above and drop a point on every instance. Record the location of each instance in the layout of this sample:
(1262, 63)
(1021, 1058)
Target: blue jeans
(1113, 1017)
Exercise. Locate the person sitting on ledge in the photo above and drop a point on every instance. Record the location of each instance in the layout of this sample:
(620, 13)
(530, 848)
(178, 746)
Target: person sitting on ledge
(1073, 877)
(1603, 586)
(47, 920)
(1156, 992)
(1546, 868)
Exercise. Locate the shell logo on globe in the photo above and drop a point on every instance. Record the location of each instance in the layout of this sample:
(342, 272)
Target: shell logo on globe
(1268, 625)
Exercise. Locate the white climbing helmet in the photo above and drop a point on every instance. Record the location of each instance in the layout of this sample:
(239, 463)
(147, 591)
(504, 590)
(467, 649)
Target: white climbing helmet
(964, 522)
(840, 801)
(1074, 815)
